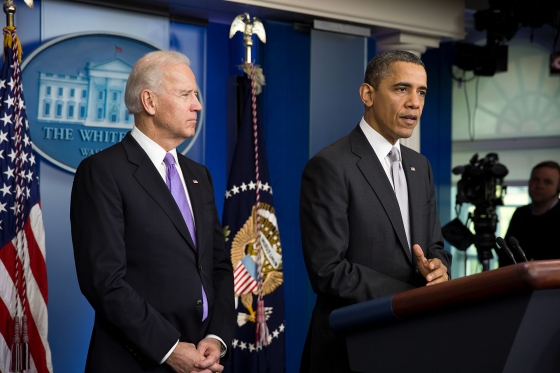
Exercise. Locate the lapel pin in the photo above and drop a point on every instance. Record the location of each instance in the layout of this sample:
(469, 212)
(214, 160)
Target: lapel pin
(412, 169)
(195, 181)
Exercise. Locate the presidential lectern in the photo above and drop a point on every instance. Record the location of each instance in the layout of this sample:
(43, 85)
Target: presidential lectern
(505, 320)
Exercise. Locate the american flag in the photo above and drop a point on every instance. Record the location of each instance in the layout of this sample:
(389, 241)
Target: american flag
(23, 273)
(245, 276)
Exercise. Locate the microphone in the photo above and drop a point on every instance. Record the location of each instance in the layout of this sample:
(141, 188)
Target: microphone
(503, 245)
(515, 244)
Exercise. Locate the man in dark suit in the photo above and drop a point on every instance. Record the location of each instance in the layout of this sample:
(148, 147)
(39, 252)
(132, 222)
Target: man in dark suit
(148, 243)
(366, 231)
(534, 225)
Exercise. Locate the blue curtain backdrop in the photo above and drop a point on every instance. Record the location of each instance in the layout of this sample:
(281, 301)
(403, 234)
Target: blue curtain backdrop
(285, 112)
(435, 135)
(218, 68)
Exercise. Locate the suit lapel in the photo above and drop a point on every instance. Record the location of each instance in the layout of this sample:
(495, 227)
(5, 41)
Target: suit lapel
(375, 175)
(150, 179)
(413, 184)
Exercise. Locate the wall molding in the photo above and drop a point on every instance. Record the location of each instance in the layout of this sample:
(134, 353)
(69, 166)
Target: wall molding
(510, 144)
(444, 19)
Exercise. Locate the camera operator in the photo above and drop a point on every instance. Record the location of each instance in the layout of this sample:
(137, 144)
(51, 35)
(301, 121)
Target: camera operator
(536, 225)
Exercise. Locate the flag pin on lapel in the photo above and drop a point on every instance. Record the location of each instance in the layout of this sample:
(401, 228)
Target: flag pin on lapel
(412, 169)
(195, 181)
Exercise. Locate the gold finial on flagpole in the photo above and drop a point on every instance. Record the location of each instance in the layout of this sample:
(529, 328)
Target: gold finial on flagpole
(10, 10)
(243, 23)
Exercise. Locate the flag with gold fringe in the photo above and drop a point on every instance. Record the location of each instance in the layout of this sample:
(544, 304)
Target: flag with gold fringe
(252, 236)
(23, 274)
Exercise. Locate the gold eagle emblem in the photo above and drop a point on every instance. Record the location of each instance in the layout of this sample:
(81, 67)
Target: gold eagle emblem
(243, 244)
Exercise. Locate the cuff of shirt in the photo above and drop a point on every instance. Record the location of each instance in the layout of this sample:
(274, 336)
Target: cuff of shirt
(223, 350)
(169, 353)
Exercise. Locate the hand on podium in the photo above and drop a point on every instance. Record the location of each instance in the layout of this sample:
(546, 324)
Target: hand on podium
(433, 270)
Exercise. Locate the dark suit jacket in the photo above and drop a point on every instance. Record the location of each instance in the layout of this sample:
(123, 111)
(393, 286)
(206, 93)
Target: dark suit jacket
(536, 235)
(354, 242)
(136, 262)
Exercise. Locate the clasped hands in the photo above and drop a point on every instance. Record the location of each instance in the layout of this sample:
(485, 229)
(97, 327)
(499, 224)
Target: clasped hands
(433, 270)
(204, 358)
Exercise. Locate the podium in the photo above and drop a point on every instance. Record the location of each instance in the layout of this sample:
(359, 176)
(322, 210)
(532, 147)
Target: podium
(505, 320)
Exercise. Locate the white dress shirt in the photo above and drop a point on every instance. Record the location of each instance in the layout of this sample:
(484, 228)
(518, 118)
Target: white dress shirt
(381, 146)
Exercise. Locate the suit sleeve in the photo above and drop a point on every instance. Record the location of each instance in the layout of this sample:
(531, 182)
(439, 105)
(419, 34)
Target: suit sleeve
(98, 229)
(435, 238)
(222, 322)
(324, 206)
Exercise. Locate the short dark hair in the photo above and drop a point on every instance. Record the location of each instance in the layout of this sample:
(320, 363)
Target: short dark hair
(380, 66)
(549, 164)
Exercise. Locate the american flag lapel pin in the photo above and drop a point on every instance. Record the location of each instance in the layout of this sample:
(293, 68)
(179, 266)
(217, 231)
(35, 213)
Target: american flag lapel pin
(412, 169)
(195, 181)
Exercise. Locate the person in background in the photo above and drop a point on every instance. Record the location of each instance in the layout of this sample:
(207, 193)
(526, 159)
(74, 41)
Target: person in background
(368, 208)
(535, 225)
(148, 244)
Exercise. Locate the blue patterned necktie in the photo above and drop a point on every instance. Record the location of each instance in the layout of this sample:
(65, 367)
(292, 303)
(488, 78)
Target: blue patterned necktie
(401, 189)
(177, 190)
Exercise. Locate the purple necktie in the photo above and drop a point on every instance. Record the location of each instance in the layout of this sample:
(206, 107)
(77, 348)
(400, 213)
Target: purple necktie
(177, 190)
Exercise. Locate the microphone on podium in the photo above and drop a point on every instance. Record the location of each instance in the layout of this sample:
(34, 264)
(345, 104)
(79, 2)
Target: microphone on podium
(515, 244)
(502, 243)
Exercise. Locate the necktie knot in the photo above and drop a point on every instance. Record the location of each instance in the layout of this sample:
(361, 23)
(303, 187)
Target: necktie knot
(394, 154)
(168, 159)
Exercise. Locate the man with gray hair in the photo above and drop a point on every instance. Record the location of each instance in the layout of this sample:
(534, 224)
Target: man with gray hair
(368, 216)
(148, 244)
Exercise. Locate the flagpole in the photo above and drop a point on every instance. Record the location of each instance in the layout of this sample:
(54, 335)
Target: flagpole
(242, 23)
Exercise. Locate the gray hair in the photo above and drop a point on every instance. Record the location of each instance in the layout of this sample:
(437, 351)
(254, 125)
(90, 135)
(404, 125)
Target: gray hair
(147, 73)
(380, 66)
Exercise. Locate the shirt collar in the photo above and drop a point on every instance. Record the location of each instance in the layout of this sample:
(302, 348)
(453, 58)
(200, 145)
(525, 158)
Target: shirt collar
(380, 145)
(155, 152)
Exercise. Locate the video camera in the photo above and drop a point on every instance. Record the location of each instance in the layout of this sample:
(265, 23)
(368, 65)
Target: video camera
(482, 181)
(481, 184)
